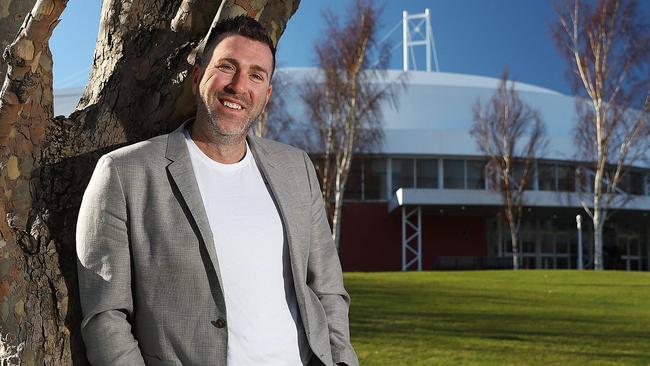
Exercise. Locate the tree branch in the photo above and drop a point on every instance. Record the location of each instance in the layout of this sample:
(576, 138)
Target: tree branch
(194, 15)
(23, 57)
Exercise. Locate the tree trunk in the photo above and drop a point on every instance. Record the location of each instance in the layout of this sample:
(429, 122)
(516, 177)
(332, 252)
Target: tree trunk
(598, 240)
(339, 191)
(515, 248)
(12, 15)
(34, 294)
(598, 212)
(138, 88)
(337, 216)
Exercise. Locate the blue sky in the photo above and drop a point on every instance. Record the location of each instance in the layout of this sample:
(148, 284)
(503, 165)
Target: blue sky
(478, 37)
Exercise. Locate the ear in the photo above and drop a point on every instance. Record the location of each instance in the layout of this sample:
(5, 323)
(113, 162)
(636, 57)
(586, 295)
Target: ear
(196, 78)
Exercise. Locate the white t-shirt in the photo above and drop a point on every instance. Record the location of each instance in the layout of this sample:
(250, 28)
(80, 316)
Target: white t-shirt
(263, 322)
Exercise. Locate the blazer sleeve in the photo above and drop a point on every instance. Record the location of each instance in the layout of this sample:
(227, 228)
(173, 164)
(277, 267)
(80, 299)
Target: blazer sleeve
(104, 270)
(325, 277)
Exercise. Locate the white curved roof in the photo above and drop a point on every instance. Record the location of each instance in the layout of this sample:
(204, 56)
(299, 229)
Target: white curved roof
(435, 113)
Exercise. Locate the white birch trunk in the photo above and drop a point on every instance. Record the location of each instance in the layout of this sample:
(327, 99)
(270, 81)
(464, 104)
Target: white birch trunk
(515, 248)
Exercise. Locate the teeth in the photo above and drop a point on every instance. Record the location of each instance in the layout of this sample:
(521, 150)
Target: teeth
(231, 105)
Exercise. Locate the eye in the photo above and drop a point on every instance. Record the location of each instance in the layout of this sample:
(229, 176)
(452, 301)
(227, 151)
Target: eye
(226, 67)
(257, 77)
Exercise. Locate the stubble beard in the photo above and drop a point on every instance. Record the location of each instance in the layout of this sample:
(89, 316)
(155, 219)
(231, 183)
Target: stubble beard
(219, 135)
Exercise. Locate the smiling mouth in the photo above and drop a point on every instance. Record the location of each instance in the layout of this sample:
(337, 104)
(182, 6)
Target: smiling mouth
(231, 105)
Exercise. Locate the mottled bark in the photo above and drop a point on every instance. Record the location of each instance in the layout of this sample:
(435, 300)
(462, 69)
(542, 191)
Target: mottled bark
(138, 88)
(22, 58)
(12, 15)
(33, 302)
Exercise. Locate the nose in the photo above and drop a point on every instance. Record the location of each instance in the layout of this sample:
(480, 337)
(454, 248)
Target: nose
(236, 85)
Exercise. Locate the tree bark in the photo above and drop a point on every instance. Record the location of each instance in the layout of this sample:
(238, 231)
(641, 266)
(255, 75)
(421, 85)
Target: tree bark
(34, 296)
(515, 248)
(598, 236)
(12, 15)
(138, 88)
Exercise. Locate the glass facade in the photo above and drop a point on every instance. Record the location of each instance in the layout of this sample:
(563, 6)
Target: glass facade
(354, 185)
(633, 183)
(546, 178)
(368, 177)
(402, 174)
(453, 174)
(566, 178)
(427, 173)
(545, 244)
(476, 174)
(375, 179)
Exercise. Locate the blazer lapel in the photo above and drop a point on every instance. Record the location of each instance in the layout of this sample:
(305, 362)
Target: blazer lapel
(181, 172)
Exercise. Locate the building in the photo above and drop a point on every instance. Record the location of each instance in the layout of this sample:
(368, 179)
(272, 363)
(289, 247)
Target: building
(422, 201)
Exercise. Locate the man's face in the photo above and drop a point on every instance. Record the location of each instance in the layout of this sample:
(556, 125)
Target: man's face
(233, 85)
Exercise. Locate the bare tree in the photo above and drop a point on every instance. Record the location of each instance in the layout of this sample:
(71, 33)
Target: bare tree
(512, 136)
(344, 101)
(138, 88)
(607, 47)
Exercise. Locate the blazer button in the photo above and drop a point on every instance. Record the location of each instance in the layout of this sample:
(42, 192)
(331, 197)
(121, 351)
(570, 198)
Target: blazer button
(219, 323)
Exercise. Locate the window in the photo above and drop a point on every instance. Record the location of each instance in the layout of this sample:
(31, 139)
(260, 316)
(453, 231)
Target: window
(427, 171)
(584, 180)
(353, 186)
(454, 174)
(565, 178)
(476, 174)
(632, 183)
(546, 177)
(375, 179)
(401, 174)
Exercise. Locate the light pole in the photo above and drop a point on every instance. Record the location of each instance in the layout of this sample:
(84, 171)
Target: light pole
(579, 225)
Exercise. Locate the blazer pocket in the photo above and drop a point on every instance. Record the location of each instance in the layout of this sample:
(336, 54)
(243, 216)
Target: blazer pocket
(155, 361)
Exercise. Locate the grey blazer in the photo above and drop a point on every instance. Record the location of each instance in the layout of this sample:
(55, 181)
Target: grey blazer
(149, 280)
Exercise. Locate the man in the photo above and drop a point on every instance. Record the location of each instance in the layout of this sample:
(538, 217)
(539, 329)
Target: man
(208, 246)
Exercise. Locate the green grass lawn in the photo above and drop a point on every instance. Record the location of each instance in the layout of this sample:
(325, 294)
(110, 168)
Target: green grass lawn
(501, 318)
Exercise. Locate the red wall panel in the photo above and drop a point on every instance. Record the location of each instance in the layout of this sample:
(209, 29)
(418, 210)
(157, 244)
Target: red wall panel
(452, 236)
(371, 238)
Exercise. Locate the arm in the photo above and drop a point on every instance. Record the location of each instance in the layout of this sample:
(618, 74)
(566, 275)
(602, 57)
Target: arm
(325, 278)
(104, 269)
